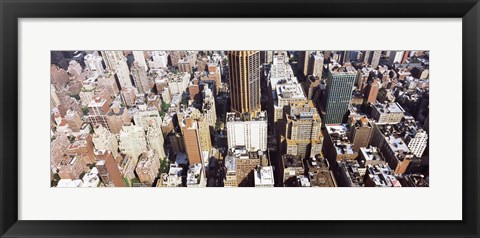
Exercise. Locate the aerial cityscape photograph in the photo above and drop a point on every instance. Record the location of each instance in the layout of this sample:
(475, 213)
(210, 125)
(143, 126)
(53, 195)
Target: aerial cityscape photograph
(255, 118)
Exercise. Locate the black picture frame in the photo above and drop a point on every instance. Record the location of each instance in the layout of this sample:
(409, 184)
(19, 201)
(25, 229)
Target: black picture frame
(12, 10)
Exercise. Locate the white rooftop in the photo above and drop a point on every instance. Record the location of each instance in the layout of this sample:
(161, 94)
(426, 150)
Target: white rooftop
(264, 176)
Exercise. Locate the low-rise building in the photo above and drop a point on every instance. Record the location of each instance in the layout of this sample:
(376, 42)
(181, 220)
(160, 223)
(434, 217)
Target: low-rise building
(380, 175)
(337, 146)
(290, 167)
(392, 146)
(348, 174)
(196, 176)
(389, 113)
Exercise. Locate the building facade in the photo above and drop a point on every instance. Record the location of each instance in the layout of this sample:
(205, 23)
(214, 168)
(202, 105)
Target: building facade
(244, 77)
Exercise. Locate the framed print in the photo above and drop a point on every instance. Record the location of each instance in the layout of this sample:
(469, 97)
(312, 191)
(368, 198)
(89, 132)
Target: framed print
(225, 118)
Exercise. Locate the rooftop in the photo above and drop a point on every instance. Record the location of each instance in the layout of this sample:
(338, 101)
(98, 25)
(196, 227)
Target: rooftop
(194, 174)
(382, 176)
(146, 159)
(350, 170)
(237, 117)
(264, 176)
(292, 161)
(391, 107)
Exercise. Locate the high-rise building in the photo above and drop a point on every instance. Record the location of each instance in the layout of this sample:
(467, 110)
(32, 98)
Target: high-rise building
(103, 139)
(108, 82)
(244, 163)
(371, 91)
(302, 133)
(117, 117)
(392, 146)
(108, 169)
(247, 130)
(405, 56)
(54, 100)
(244, 77)
(366, 56)
(395, 57)
(159, 60)
(188, 121)
(337, 146)
(57, 148)
(97, 112)
(140, 78)
(147, 116)
(73, 120)
(315, 64)
(58, 77)
(123, 74)
(208, 107)
(375, 58)
(111, 59)
(155, 139)
(128, 95)
(415, 136)
(214, 74)
(174, 58)
(132, 140)
(70, 167)
(303, 58)
(94, 64)
(360, 133)
(117, 63)
(185, 66)
(177, 142)
(87, 94)
(204, 134)
(147, 167)
(339, 93)
(285, 87)
(126, 165)
(139, 57)
(82, 148)
(178, 82)
(74, 68)
(230, 179)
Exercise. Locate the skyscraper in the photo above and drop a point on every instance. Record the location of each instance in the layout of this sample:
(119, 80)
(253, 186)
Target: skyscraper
(395, 57)
(108, 169)
(303, 58)
(189, 124)
(371, 92)
(139, 56)
(315, 64)
(244, 70)
(339, 93)
(375, 58)
(140, 78)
